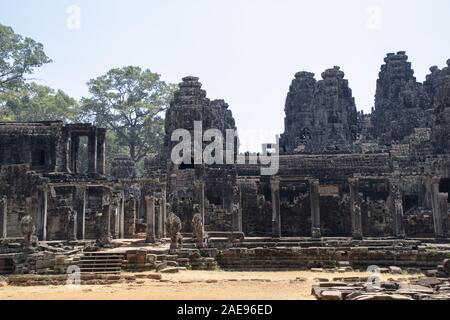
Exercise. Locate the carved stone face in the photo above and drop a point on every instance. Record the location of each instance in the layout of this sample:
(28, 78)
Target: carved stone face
(27, 226)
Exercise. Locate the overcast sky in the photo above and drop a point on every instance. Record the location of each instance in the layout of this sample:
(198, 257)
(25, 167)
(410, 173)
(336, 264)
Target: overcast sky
(244, 51)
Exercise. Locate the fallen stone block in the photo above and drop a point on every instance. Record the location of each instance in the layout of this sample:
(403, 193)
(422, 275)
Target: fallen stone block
(390, 286)
(212, 281)
(373, 297)
(446, 265)
(333, 284)
(154, 276)
(413, 271)
(395, 270)
(428, 282)
(331, 295)
(431, 273)
(411, 289)
(445, 288)
(169, 270)
(161, 266)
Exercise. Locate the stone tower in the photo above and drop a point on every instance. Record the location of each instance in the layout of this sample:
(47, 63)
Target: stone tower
(191, 188)
(335, 116)
(122, 167)
(189, 105)
(441, 103)
(299, 120)
(320, 116)
(401, 103)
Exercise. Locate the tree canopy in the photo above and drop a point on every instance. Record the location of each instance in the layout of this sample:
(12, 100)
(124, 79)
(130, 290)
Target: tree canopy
(130, 102)
(34, 102)
(19, 57)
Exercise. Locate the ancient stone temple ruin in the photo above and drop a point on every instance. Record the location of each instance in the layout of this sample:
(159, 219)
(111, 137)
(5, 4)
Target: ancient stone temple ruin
(350, 186)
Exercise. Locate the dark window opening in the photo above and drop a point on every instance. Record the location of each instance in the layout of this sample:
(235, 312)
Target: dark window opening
(38, 158)
(444, 186)
(15, 158)
(216, 201)
(82, 156)
(187, 166)
(410, 202)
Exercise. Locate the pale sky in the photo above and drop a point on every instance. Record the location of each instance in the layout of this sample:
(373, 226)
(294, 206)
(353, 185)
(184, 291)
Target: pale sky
(244, 51)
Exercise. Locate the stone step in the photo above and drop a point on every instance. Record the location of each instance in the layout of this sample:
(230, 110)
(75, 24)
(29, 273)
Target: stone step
(101, 262)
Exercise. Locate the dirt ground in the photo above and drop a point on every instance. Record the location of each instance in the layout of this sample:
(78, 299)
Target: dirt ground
(196, 285)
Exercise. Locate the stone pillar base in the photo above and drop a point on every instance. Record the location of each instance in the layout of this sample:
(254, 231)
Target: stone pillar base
(316, 233)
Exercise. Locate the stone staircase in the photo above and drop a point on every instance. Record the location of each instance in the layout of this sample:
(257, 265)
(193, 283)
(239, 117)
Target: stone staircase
(101, 262)
(270, 242)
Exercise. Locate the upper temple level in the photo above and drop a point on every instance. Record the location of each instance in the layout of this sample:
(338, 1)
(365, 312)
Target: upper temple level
(52, 146)
(322, 118)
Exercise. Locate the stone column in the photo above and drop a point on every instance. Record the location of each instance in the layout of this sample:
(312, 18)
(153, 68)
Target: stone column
(105, 226)
(150, 210)
(355, 209)
(439, 207)
(92, 151)
(41, 222)
(276, 208)
(236, 210)
(72, 224)
(240, 227)
(130, 218)
(238, 213)
(80, 207)
(116, 220)
(3, 217)
(161, 220)
(425, 192)
(101, 155)
(74, 154)
(164, 211)
(122, 216)
(443, 208)
(202, 203)
(62, 152)
(397, 211)
(198, 206)
(315, 209)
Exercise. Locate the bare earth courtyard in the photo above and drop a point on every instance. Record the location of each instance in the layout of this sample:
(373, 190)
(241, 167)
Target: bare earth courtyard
(191, 285)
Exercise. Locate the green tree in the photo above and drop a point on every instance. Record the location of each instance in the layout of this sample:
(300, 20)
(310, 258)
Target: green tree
(19, 57)
(34, 102)
(130, 102)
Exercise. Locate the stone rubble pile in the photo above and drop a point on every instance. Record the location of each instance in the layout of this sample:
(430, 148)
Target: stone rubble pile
(86, 279)
(371, 288)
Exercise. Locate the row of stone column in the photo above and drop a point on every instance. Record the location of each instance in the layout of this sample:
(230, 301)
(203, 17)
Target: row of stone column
(276, 208)
(435, 199)
(68, 151)
(438, 202)
(154, 231)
